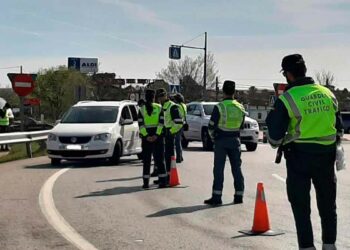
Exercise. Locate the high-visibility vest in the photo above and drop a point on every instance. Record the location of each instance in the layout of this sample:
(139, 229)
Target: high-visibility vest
(174, 125)
(231, 115)
(5, 121)
(151, 121)
(183, 110)
(312, 110)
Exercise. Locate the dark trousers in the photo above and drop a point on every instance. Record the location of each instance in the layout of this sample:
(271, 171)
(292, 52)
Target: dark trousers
(169, 149)
(4, 129)
(231, 147)
(157, 149)
(302, 168)
(178, 146)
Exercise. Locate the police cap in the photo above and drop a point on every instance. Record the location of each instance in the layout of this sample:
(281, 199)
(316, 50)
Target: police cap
(229, 87)
(161, 93)
(292, 62)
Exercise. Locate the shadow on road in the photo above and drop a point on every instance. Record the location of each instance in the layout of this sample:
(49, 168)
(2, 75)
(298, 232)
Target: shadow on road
(122, 179)
(122, 190)
(183, 210)
(242, 236)
(115, 191)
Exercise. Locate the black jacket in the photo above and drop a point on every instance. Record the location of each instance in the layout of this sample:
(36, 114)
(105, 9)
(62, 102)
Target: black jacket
(277, 123)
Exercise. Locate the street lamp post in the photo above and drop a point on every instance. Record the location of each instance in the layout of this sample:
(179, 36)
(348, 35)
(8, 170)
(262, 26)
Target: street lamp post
(178, 56)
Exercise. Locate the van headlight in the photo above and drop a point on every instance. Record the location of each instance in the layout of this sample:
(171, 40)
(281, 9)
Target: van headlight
(255, 125)
(102, 137)
(52, 137)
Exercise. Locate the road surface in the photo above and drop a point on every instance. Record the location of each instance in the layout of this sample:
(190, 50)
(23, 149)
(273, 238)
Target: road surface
(105, 207)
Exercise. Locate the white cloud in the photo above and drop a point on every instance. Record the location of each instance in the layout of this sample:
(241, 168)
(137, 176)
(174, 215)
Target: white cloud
(20, 31)
(143, 14)
(312, 15)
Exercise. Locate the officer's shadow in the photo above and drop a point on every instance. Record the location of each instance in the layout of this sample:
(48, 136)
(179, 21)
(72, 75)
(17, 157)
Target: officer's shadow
(122, 190)
(184, 210)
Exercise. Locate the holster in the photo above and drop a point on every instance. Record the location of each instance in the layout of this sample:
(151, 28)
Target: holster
(279, 155)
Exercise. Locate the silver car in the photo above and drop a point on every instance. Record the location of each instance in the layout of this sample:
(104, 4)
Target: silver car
(198, 116)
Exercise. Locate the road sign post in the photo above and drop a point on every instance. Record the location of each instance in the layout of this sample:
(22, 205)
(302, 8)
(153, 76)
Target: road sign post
(23, 85)
(175, 53)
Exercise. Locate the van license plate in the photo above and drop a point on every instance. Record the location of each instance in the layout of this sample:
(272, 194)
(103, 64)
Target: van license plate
(74, 147)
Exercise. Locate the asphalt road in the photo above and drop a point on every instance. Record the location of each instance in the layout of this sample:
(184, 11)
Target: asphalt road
(108, 208)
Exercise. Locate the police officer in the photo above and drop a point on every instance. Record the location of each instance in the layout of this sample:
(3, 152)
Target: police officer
(306, 121)
(151, 122)
(5, 116)
(180, 101)
(172, 123)
(225, 123)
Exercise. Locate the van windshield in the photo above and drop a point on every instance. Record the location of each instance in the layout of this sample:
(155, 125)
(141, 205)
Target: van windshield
(91, 114)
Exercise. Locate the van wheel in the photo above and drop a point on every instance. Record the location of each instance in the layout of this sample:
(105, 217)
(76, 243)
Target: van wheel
(184, 142)
(251, 146)
(117, 153)
(55, 161)
(206, 140)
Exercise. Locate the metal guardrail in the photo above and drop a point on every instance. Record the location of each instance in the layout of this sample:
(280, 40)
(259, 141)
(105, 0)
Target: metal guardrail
(24, 137)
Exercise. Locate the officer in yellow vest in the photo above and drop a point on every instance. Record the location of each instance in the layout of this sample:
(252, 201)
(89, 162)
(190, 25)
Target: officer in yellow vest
(306, 122)
(151, 122)
(225, 123)
(180, 101)
(5, 116)
(172, 123)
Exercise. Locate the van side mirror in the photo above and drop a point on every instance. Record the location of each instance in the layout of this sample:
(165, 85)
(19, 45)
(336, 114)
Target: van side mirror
(126, 122)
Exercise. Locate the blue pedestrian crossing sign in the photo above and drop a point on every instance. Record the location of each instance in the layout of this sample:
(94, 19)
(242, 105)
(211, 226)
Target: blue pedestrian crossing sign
(173, 89)
(175, 52)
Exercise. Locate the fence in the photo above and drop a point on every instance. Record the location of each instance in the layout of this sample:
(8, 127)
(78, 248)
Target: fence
(24, 137)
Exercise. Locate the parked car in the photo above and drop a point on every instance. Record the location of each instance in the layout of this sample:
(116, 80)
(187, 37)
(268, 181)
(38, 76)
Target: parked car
(30, 124)
(346, 121)
(96, 130)
(198, 116)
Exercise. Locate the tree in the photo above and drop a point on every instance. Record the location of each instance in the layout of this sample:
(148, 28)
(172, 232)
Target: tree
(326, 78)
(55, 87)
(105, 87)
(176, 71)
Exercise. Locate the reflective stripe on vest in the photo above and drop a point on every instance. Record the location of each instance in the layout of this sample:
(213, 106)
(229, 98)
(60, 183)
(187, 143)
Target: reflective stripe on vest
(231, 115)
(312, 110)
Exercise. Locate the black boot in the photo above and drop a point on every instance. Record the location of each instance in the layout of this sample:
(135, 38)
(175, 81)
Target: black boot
(238, 199)
(145, 184)
(154, 174)
(214, 201)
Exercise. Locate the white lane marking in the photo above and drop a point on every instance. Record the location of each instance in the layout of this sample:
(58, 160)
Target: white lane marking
(279, 177)
(56, 220)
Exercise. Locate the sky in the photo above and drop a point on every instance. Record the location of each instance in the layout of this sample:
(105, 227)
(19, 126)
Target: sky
(131, 38)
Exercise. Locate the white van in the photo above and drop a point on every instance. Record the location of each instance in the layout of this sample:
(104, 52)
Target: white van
(96, 130)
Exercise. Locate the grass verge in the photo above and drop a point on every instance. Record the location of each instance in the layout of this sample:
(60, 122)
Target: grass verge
(19, 151)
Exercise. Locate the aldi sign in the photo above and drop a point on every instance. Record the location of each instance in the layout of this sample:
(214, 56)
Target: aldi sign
(84, 65)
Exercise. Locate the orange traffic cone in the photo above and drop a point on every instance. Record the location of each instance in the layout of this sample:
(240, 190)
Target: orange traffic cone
(174, 178)
(261, 223)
